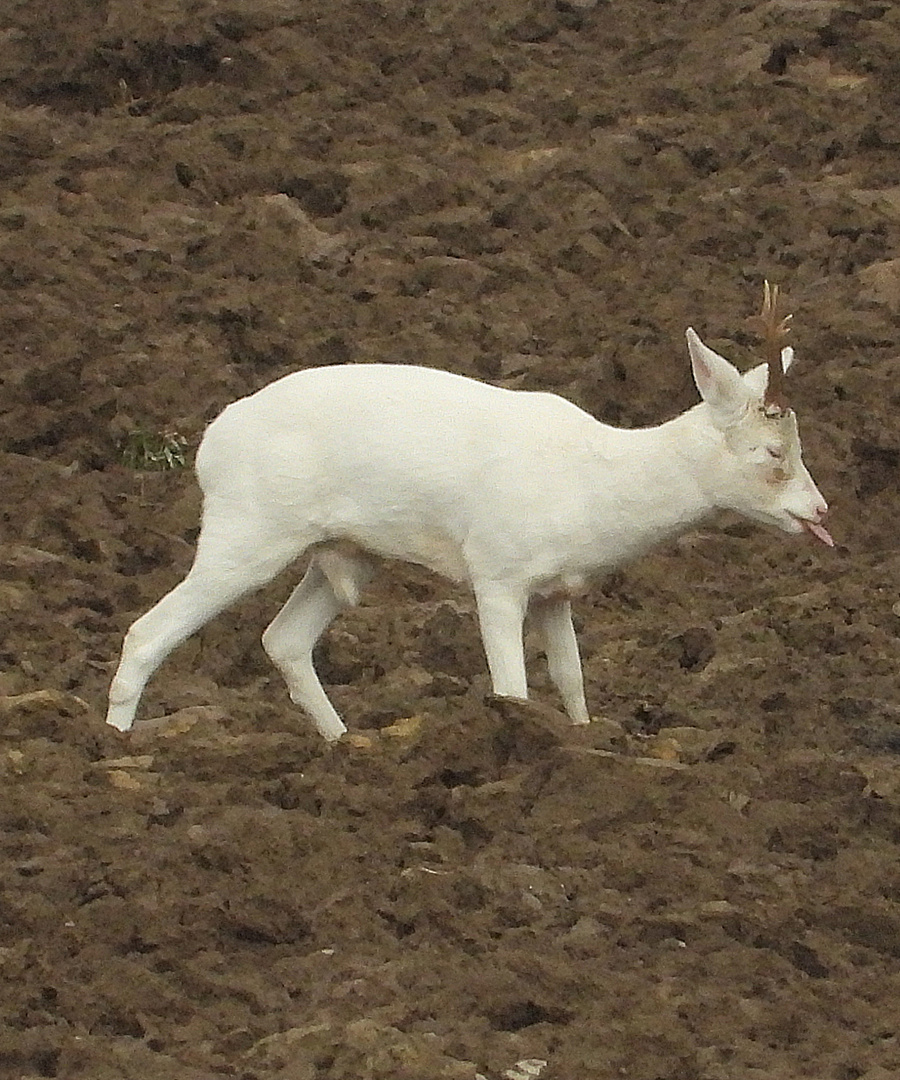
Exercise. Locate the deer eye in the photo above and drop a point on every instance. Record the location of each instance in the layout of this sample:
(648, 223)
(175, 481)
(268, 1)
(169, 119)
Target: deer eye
(775, 453)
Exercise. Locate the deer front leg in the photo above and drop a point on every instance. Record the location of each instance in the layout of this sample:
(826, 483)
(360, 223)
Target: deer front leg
(553, 619)
(501, 612)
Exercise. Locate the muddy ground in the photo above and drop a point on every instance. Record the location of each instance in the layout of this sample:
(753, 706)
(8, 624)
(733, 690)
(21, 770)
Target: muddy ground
(704, 885)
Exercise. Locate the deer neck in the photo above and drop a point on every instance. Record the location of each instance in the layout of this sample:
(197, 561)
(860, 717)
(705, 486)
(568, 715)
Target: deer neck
(670, 481)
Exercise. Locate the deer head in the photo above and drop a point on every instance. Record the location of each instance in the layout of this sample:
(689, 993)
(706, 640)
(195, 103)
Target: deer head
(759, 471)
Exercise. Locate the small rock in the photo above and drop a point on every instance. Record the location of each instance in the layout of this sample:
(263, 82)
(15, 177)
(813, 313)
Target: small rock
(177, 723)
(41, 701)
(406, 728)
(686, 744)
(124, 780)
(137, 761)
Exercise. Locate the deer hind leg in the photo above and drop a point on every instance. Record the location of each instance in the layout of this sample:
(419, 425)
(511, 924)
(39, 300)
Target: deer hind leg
(501, 612)
(331, 583)
(553, 619)
(233, 558)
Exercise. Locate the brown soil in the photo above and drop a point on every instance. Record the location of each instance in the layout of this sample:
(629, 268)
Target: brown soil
(705, 885)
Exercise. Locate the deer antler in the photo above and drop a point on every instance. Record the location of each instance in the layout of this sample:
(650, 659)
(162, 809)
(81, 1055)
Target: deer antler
(773, 328)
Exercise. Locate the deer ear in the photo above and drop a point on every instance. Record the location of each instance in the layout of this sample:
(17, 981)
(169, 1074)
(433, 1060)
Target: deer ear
(719, 382)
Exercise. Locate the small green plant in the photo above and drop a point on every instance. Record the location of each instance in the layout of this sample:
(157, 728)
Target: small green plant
(153, 451)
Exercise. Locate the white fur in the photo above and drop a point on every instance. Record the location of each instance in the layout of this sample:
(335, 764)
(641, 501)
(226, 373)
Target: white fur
(522, 495)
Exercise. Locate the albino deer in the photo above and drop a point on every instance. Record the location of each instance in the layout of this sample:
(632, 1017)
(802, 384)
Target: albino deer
(522, 495)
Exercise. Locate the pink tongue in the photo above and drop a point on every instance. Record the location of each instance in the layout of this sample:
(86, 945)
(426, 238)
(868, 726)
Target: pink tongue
(819, 532)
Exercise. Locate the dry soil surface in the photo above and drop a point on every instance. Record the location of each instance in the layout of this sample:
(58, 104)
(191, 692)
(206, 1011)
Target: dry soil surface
(200, 196)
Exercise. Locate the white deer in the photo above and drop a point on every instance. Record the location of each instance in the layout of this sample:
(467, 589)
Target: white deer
(522, 495)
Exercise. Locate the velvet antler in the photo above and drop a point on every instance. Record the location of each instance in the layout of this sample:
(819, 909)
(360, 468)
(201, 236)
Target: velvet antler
(773, 328)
